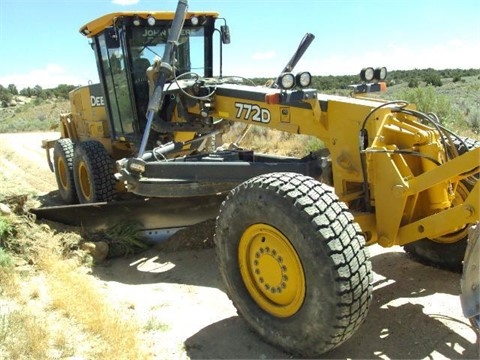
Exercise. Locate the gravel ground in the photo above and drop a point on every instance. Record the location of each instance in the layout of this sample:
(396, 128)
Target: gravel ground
(176, 287)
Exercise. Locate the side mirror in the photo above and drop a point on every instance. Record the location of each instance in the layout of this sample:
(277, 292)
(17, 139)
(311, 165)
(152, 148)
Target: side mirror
(111, 38)
(225, 31)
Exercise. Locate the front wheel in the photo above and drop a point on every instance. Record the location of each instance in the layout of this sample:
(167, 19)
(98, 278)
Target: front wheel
(294, 262)
(93, 173)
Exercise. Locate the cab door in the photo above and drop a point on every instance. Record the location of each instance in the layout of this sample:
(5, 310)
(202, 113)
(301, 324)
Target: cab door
(115, 78)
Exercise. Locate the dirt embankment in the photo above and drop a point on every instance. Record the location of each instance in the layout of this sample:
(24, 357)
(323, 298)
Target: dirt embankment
(180, 300)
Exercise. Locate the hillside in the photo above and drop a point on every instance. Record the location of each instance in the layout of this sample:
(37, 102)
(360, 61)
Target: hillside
(32, 115)
(454, 95)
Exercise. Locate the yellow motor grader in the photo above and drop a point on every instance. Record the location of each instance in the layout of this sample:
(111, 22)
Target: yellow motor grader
(291, 233)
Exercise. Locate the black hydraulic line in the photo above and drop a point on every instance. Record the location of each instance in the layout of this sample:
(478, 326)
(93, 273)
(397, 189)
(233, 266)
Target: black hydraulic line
(425, 117)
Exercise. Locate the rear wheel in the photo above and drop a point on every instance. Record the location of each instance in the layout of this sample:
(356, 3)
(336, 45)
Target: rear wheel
(93, 173)
(447, 252)
(293, 262)
(63, 161)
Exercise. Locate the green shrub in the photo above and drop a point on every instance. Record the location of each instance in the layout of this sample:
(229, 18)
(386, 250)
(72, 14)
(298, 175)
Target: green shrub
(433, 78)
(6, 233)
(6, 230)
(5, 259)
(473, 120)
(314, 144)
(428, 101)
(413, 83)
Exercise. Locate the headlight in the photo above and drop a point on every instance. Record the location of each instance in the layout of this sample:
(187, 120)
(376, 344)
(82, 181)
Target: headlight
(380, 74)
(304, 79)
(367, 74)
(136, 20)
(151, 20)
(287, 81)
(198, 20)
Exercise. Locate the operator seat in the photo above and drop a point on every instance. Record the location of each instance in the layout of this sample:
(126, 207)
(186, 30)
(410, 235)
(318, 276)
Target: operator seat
(140, 67)
(140, 84)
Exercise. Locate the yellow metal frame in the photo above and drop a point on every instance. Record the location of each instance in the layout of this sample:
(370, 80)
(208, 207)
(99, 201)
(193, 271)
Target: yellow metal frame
(411, 183)
(96, 26)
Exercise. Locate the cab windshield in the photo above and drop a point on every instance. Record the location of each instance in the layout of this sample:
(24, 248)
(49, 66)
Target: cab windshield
(126, 62)
(148, 44)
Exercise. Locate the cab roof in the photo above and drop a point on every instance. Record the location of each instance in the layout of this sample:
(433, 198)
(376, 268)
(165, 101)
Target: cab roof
(96, 26)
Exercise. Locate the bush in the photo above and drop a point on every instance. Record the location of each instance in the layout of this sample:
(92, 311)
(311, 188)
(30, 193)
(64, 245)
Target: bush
(433, 78)
(473, 120)
(413, 83)
(428, 101)
(5, 259)
(6, 230)
(5, 97)
(314, 144)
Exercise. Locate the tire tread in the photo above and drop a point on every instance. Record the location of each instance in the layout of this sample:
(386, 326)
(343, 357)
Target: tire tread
(350, 261)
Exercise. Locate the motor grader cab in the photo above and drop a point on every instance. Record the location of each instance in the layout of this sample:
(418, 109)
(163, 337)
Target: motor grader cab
(107, 120)
(290, 232)
(126, 45)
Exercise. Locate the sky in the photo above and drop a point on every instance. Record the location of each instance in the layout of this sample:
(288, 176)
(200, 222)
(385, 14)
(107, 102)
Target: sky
(40, 43)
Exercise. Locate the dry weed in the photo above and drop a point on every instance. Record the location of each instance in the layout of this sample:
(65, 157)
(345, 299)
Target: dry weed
(263, 140)
(61, 312)
(78, 296)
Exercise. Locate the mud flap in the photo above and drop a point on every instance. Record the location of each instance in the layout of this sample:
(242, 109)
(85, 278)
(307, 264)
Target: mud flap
(151, 214)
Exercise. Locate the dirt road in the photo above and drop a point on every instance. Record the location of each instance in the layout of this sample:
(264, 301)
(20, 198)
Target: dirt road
(179, 297)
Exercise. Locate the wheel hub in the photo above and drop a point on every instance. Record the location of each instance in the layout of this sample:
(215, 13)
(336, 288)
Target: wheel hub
(62, 172)
(84, 180)
(271, 270)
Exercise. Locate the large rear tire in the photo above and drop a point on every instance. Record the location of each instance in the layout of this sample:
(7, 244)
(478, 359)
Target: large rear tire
(448, 251)
(294, 262)
(93, 173)
(63, 162)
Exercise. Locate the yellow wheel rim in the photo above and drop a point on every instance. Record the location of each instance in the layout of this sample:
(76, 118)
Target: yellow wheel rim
(271, 270)
(62, 173)
(84, 180)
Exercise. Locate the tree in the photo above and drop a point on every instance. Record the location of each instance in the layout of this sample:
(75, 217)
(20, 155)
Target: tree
(433, 78)
(5, 96)
(413, 83)
(26, 92)
(37, 90)
(62, 90)
(13, 89)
